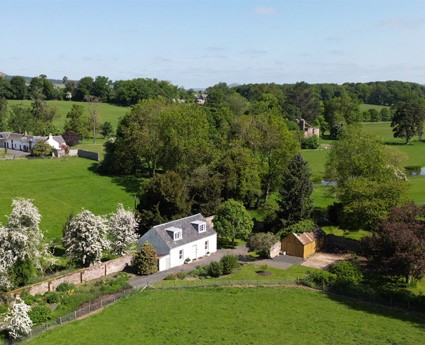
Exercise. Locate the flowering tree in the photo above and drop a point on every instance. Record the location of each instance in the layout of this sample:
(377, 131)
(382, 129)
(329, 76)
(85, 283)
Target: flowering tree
(19, 323)
(85, 237)
(21, 243)
(122, 230)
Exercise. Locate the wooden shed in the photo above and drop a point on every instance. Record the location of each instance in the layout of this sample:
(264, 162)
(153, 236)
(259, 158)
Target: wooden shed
(303, 245)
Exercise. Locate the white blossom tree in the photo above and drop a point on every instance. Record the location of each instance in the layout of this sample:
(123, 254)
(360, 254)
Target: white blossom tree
(24, 235)
(122, 230)
(18, 321)
(85, 237)
(21, 240)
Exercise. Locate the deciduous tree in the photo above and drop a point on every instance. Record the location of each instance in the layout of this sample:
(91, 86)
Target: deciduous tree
(84, 237)
(18, 321)
(233, 221)
(409, 117)
(261, 242)
(398, 246)
(122, 230)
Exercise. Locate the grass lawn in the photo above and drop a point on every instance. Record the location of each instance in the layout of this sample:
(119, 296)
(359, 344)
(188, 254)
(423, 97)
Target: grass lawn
(366, 107)
(58, 188)
(106, 112)
(239, 316)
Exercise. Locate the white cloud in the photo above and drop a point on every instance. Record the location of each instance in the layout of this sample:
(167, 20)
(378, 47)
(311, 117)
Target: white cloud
(402, 23)
(265, 11)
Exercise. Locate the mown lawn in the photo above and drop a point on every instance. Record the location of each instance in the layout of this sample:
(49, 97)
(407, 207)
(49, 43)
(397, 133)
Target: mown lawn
(106, 112)
(239, 316)
(58, 188)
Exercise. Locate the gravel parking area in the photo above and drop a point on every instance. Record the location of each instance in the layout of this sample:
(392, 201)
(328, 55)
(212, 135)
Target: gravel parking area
(323, 260)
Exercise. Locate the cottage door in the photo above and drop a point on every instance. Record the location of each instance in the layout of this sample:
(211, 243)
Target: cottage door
(195, 251)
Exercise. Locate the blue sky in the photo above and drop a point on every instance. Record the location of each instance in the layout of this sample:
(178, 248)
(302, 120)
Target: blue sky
(200, 43)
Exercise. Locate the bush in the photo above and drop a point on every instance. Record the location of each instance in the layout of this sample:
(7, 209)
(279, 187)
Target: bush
(199, 271)
(261, 242)
(319, 278)
(63, 287)
(215, 269)
(310, 142)
(145, 261)
(52, 297)
(347, 273)
(229, 263)
(40, 314)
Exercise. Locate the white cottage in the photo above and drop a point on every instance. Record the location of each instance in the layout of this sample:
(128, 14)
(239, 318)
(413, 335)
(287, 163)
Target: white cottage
(187, 238)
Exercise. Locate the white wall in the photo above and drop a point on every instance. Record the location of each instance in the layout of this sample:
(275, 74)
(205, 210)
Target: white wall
(189, 251)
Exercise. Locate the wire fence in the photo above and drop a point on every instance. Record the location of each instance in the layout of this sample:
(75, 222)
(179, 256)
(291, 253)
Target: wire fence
(348, 294)
(85, 310)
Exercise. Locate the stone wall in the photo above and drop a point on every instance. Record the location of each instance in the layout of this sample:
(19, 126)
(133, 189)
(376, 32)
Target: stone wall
(94, 156)
(78, 277)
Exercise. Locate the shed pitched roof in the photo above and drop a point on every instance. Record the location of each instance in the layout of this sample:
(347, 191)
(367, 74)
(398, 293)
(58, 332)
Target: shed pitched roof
(189, 231)
(309, 237)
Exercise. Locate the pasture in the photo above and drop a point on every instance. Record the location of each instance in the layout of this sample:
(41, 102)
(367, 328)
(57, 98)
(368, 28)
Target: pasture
(106, 112)
(59, 187)
(275, 315)
(414, 153)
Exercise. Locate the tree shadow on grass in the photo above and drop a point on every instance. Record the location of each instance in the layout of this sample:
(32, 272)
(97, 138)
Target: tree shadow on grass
(131, 184)
(379, 306)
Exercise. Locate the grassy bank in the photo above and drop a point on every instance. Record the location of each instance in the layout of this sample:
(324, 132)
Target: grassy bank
(58, 188)
(239, 316)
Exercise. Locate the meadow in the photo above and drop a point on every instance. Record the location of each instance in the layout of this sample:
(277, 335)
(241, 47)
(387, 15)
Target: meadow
(275, 315)
(59, 187)
(106, 112)
(414, 154)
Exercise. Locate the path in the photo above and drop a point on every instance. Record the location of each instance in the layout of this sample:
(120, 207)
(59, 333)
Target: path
(281, 261)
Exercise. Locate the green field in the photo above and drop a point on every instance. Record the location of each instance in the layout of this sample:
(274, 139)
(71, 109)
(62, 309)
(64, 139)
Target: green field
(58, 188)
(239, 316)
(106, 112)
(414, 152)
(366, 107)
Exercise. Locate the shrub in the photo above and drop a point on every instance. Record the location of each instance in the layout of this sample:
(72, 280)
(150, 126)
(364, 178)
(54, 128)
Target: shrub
(52, 297)
(63, 287)
(199, 271)
(347, 273)
(229, 263)
(310, 142)
(215, 269)
(41, 149)
(261, 242)
(40, 314)
(145, 261)
(320, 278)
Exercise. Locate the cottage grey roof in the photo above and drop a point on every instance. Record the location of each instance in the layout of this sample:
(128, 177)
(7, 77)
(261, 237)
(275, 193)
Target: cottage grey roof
(189, 231)
(15, 136)
(4, 135)
(59, 139)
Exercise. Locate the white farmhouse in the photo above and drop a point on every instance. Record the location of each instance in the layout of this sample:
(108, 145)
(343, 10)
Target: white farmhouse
(24, 142)
(187, 238)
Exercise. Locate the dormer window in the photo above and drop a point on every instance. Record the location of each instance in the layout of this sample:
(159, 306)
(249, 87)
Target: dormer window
(175, 233)
(200, 226)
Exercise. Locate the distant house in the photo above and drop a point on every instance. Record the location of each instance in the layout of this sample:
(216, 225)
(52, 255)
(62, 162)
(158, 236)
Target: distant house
(303, 245)
(308, 131)
(24, 142)
(187, 238)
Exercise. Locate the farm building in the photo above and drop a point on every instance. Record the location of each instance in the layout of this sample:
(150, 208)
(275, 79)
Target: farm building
(186, 238)
(25, 142)
(303, 245)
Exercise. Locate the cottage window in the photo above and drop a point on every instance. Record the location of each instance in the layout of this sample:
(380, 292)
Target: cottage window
(181, 254)
(206, 245)
(177, 235)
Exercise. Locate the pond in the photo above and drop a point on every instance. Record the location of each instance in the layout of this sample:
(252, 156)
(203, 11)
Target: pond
(415, 171)
(328, 183)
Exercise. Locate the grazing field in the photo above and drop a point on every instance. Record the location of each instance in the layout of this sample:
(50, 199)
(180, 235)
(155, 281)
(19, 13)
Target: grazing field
(106, 112)
(58, 188)
(239, 316)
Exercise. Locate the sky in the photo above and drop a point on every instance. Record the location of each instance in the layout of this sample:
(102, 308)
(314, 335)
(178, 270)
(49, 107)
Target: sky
(198, 43)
